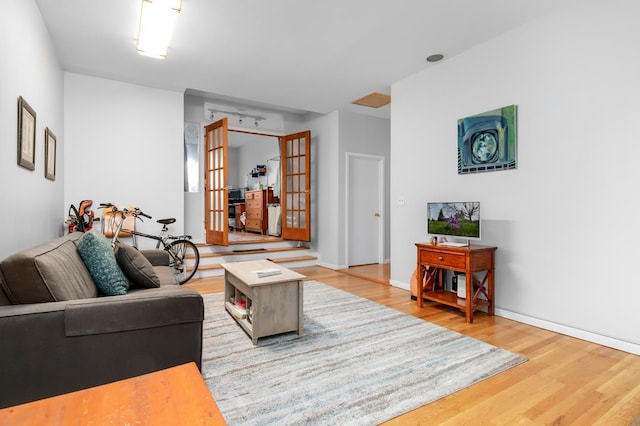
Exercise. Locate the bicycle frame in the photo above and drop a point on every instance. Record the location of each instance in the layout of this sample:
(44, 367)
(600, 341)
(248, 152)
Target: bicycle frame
(178, 248)
(161, 239)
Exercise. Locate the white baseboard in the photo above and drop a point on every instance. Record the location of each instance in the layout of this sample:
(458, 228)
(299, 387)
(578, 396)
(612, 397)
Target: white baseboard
(399, 284)
(570, 331)
(557, 328)
(331, 266)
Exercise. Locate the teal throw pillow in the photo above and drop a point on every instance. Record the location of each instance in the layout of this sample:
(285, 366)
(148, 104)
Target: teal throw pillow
(136, 267)
(97, 255)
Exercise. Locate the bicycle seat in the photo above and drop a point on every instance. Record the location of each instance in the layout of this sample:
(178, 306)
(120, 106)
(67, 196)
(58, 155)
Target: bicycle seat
(167, 221)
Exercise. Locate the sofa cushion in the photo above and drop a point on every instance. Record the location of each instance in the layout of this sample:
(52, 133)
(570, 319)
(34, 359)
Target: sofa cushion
(136, 267)
(157, 257)
(166, 275)
(97, 254)
(50, 272)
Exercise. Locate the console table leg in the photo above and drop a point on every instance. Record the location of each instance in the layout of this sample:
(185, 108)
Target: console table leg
(491, 284)
(420, 285)
(468, 308)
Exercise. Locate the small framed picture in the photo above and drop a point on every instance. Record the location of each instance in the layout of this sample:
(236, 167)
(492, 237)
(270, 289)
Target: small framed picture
(49, 154)
(26, 135)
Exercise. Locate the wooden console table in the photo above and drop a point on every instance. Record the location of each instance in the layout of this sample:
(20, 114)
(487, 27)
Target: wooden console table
(175, 396)
(434, 258)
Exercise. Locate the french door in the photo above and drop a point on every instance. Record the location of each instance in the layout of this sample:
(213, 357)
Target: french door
(295, 197)
(296, 186)
(216, 203)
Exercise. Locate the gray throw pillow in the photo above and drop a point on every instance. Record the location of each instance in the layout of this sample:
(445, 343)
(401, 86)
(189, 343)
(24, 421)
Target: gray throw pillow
(136, 267)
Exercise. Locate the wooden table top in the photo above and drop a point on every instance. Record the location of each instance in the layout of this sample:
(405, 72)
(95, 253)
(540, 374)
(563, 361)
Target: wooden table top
(246, 272)
(175, 396)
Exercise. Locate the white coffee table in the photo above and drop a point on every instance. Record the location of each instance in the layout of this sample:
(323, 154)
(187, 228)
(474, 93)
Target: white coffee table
(274, 303)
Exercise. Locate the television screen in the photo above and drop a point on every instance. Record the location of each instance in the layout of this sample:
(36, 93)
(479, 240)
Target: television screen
(454, 219)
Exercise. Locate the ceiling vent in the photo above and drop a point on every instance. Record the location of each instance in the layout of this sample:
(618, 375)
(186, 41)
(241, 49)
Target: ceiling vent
(374, 100)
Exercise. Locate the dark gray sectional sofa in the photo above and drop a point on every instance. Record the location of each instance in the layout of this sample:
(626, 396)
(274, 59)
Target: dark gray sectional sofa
(58, 334)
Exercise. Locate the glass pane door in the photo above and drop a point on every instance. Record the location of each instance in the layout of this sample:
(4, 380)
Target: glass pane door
(296, 200)
(216, 180)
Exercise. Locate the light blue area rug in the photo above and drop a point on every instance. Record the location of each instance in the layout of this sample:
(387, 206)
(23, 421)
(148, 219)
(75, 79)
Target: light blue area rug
(358, 363)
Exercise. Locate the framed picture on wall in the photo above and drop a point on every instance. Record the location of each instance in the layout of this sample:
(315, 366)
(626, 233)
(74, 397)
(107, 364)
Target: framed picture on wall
(49, 154)
(488, 141)
(26, 135)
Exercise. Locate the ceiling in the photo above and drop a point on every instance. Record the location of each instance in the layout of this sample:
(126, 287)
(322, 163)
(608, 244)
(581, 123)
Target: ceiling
(300, 56)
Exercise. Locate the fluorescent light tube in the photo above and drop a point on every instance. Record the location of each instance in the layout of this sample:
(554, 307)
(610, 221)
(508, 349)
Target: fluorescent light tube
(157, 19)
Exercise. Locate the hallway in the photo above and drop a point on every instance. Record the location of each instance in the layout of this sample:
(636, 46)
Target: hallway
(380, 273)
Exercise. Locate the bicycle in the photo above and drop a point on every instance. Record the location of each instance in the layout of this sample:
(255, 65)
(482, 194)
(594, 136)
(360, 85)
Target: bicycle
(81, 219)
(184, 255)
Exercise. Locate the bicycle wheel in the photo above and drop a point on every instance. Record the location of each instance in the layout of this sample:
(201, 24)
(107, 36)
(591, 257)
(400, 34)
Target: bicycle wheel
(185, 259)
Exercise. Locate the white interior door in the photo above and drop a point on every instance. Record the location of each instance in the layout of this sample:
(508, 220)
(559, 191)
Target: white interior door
(365, 215)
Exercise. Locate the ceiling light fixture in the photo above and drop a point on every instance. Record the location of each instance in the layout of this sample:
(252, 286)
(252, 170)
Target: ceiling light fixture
(157, 19)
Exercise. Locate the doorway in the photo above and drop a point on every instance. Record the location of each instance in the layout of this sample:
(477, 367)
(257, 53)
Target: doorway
(364, 209)
(245, 150)
(291, 208)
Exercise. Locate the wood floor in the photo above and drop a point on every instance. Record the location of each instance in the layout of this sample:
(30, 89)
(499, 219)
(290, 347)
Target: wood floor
(566, 381)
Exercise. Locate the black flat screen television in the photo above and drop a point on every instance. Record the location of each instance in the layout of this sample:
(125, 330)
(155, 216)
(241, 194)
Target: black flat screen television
(454, 219)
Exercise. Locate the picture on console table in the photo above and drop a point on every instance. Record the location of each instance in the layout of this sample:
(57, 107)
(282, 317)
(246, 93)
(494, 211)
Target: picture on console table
(488, 141)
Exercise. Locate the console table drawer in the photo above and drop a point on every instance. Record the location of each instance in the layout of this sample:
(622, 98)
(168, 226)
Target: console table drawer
(440, 259)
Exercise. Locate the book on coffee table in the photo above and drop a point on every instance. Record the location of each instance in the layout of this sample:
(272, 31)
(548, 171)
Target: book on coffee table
(261, 273)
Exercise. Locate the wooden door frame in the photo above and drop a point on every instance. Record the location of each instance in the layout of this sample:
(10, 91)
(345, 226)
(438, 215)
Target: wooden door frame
(381, 203)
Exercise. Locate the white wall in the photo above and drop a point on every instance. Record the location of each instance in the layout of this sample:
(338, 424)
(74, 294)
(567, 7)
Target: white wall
(31, 207)
(235, 180)
(331, 137)
(564, 221)
(124, 144)
(363, 134)
(325, 189)
(252, 154)
(194, 201)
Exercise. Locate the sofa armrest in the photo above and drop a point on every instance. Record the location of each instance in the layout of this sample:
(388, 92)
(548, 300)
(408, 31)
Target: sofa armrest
(53, 348)
(156, 257)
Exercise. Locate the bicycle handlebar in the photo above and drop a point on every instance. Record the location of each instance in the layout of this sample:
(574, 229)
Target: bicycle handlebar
(135, 212)
(108, 206)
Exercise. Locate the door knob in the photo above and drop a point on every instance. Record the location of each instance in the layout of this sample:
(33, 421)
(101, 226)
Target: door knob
(376, 214)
